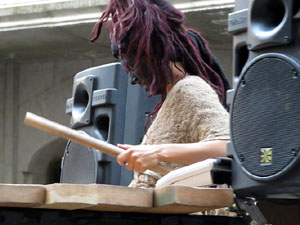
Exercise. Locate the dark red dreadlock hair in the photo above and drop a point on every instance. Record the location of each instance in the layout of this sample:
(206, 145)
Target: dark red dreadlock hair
(152, 32)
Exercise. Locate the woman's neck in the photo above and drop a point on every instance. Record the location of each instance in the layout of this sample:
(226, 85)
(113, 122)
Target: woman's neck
(178, 73)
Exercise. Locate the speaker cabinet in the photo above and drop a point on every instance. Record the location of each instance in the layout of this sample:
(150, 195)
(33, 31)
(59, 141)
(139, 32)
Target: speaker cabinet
(264, 102)
(105, 106)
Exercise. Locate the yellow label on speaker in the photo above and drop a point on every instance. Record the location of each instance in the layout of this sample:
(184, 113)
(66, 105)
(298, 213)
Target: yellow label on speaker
(266, 155)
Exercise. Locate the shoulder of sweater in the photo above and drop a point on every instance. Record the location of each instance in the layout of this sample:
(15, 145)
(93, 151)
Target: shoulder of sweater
(192, 84)
(192, 91)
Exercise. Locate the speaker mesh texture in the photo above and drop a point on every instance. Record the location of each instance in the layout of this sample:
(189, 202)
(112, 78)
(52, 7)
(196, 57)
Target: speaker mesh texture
(265, 118)
(80, 165)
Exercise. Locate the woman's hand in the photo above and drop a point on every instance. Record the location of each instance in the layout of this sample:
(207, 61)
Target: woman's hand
(139, 157)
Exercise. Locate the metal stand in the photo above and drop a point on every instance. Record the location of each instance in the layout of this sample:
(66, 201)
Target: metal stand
(250, 206)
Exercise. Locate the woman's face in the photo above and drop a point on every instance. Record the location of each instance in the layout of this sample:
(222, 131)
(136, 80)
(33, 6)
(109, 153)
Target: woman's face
(142, 75)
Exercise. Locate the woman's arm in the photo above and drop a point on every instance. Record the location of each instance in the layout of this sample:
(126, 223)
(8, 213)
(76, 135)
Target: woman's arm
(143, 157)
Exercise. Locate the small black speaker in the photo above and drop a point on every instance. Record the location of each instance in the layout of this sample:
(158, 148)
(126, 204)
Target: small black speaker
(105, 106)
(264, 102)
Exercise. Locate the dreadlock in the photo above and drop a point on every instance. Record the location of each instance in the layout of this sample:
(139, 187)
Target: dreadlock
(152, 31)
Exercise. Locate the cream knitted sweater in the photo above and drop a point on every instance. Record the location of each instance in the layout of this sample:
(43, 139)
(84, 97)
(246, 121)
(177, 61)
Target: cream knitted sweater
(190, 113)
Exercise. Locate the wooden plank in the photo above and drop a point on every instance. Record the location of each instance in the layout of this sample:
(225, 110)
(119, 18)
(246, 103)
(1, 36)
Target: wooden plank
(122, 199)
(21, 195)
(98, 197)
(183, 199)
(70, 196)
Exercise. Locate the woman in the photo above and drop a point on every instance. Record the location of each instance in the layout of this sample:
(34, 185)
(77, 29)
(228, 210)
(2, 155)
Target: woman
(168, 60)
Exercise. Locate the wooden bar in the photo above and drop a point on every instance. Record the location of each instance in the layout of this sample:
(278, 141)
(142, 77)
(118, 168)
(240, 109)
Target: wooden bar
(122, 199)
(99, 197)
(184, 200)
(19, 195)
(69, 196)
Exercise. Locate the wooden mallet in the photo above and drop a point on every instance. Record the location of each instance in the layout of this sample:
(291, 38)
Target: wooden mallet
(76, 136)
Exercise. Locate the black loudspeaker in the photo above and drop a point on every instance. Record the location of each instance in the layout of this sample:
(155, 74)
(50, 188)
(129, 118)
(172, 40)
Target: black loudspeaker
(265, 99)
(105, 106)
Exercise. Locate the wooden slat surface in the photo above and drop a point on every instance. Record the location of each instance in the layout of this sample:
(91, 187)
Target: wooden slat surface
(122, 199)
(19, 195)
(184, 199)
(69, 196)
(98, 197)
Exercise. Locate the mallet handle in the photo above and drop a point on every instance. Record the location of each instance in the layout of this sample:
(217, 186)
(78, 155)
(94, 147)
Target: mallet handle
(68, 133)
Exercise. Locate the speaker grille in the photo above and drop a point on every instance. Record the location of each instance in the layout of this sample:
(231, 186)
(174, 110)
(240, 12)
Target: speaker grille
(79, 165)
(265, 118)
